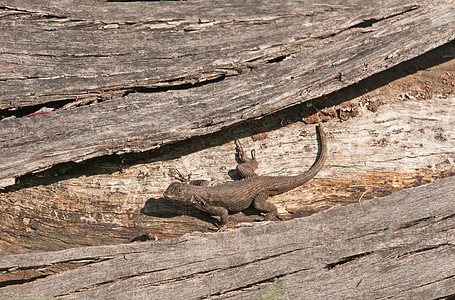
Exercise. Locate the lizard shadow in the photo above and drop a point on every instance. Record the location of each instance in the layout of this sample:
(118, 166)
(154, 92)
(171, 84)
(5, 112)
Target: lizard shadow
(234, 175)
(165, 209)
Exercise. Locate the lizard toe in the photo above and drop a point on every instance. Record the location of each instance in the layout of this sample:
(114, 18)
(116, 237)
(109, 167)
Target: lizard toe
(222, 228)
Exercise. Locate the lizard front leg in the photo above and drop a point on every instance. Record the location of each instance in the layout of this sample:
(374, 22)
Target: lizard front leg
(220, 211)
(260, 203)
(247, 165)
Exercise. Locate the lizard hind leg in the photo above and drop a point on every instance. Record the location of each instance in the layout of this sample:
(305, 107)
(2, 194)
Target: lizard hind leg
(261, 204)
(246, 165)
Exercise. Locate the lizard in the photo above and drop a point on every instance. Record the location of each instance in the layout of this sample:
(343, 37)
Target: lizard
(235, 196)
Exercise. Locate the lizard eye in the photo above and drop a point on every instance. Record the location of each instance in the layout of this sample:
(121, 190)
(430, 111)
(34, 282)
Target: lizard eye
(179, 190)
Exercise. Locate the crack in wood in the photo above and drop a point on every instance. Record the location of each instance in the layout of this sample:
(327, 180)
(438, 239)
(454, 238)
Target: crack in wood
(447, 297)
(34, 14)
(257, 284)
(23, 111)
(23, 274)
(421, 250)
(21, 281)
(413, 223)
(442, 219)
(200, 273)
(86, 260)
(139, 274)
(370, 22)
(179, 83)
(369, 234)
(347, 259)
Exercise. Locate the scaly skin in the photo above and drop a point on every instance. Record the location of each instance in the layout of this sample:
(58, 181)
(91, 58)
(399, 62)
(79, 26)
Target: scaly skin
(238, 195)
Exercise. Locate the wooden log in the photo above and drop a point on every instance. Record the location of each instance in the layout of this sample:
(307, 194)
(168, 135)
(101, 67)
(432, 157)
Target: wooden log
(374, 150)
(400, 246)
(119, 47)
(263, 61)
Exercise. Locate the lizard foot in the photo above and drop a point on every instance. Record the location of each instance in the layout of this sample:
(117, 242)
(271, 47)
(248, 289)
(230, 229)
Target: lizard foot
(218, 228)
(145, 237)
(175, 173)
(241, 152)
(222, 228)
(268, 217)
(262, 219)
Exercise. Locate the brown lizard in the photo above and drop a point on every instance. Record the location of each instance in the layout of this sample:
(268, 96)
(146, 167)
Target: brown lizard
(238, 195)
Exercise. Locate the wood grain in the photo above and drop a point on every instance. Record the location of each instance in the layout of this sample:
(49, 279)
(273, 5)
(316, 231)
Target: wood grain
(77, 50)
(406, 141)
(353, 251)
(183, 79)
(251, 68)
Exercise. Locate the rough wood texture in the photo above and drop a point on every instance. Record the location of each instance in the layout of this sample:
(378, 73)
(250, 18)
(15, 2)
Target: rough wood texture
(80, 50)
(257, 58)
(401, 247)
(164, 75)
(408, 140)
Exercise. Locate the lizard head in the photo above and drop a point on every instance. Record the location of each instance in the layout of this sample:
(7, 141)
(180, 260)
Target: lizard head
(179, 192)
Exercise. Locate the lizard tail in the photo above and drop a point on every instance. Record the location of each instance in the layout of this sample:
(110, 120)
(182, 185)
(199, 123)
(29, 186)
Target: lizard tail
(322, 155)
(320, 160)
(286, 183)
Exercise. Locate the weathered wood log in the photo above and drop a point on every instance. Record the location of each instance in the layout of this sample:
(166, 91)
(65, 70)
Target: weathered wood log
(401, 246)
(257, 61)
(407, 142)
(109, 47)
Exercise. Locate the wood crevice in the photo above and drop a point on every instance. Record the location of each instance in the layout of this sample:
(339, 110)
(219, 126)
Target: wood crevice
(370, 22)
(347, 259)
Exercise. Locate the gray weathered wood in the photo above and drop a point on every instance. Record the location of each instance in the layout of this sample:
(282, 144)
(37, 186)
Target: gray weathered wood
(327, 46)
(405, 143)
(400, 246)
(84, 50)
